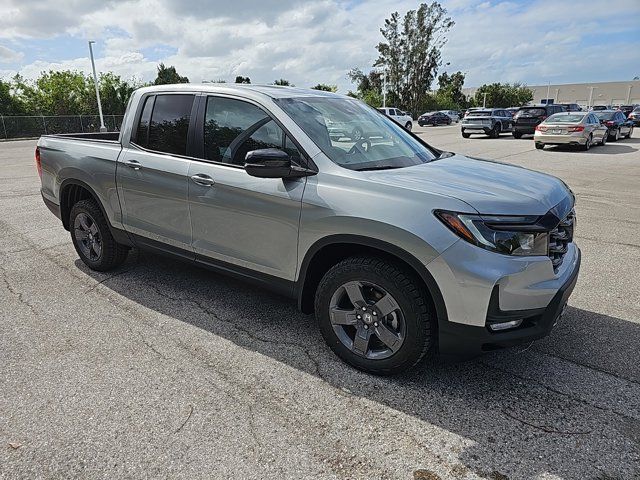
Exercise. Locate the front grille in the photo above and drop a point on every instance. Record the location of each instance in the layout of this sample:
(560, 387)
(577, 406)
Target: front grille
(560, 238)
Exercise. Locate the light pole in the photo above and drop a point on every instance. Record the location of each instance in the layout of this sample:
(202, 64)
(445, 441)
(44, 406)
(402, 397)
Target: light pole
(484, 100)
(95, 82)
(591, 95)
(548, 88)
(384, 88)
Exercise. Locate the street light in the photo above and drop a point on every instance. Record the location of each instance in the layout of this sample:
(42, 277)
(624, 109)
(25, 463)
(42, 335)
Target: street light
(484, 100)
(95, 82)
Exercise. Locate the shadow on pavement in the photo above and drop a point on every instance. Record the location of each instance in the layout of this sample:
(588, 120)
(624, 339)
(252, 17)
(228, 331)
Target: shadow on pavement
(516, 424)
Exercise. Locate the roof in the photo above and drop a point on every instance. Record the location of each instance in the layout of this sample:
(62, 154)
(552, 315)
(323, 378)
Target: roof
(272, 91)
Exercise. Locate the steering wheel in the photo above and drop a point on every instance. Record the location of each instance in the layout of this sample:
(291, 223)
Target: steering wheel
(362, 146)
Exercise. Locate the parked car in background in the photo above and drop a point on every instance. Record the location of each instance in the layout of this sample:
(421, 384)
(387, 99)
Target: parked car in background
(627, 109)
(634, 116)
(571, 107)
(452, 114)
(595, 108)
(528, 118)
(434, 118)
(619, 126)
(471, 109)
(399, 116)
(513, 110)
(571, 128)
(491, 122)
(383, 241)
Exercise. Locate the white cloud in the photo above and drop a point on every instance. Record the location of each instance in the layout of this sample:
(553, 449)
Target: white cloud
(319, 41)
(9, 56)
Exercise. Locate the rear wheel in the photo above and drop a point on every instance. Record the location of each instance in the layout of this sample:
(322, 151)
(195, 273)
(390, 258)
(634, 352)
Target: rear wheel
(497, 129)
(539, 145)
(92, 238)
(604, 139)
(615, 135)
(356, 134)
(630, 132)
(517, 135)
(408, 126)
(374, 315)
(587, 144)
(465, 134)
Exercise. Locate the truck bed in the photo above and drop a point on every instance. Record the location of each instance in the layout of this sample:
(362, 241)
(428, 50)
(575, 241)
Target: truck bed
(95, 136)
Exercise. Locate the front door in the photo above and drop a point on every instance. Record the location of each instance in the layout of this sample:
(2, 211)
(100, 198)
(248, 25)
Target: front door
(238, 219)
(152, 174)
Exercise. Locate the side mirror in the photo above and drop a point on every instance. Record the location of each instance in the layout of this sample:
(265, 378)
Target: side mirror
(267, 163)
(273, 163)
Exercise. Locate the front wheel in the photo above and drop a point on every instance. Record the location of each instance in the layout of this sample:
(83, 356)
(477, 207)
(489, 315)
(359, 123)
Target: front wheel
(615, 136)
(356, 134)
(517, 135)
(630, 133)
(539, 145)
(92, 238)
(374, 315)
(465, 135)
(408, 126)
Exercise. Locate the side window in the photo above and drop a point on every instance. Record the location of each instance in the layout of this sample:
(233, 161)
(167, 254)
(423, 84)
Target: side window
(234, 127)
(169, 124)
(142, 130)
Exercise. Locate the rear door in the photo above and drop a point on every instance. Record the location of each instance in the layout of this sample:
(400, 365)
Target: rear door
(248, 222)
(152, 173)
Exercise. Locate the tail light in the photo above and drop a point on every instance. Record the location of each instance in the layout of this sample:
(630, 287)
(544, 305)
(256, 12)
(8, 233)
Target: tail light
(38, 163)
(541, 128)
(577, 128)
(609, 123)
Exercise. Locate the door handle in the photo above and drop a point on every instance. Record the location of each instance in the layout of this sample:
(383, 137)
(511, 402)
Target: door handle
(133, 164)
(202, 179)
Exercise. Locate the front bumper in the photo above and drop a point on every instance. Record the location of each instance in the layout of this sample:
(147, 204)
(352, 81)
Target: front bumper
(481, 287)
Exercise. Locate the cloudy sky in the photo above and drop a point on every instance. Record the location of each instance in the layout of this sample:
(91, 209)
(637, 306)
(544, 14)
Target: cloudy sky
(316, 41)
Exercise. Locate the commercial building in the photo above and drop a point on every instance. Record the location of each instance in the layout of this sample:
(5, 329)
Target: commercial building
(584, 94)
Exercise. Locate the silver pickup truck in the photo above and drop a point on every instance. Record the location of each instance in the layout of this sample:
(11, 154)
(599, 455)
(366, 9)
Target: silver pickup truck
(399, 248)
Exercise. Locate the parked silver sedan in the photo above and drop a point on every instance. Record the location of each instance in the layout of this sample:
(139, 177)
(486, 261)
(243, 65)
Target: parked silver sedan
(571, 128)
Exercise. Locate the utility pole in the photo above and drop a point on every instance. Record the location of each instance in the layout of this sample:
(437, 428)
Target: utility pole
(384, 88)
(95, 82)
(590, 96)
(548, 88)
(484, 100)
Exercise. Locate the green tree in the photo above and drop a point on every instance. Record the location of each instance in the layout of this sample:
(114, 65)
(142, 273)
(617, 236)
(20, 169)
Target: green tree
(284, 83)
(168, 75)
(241, 79)
(502, 95)
(115, 93)
(368, 86)
(450, 95)
(10, 104)
(326, 88)
(411, 53)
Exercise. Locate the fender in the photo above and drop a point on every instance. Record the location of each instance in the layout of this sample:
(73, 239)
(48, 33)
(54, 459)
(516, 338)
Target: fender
(388, 248)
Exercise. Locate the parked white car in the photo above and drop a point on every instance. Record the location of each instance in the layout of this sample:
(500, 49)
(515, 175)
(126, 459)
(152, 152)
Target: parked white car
(403, 118)
(452, 114)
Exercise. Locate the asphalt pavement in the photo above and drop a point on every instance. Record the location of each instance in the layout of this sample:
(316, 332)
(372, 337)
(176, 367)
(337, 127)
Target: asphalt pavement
(164, 370)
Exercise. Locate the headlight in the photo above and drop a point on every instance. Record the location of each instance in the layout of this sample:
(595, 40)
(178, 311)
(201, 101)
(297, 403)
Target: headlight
(509, 235)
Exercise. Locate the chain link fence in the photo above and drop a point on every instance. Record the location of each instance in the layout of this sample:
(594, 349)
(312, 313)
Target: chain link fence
(34, 126)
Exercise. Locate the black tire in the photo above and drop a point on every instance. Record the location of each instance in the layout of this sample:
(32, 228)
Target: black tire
(465, 135)
(539, 145)
(497, 129)
(630, 133)
(111, 253)
(517, 135)
(603, 142)
(587, 144)
(408, 294)
(615, 136)
(408, 126)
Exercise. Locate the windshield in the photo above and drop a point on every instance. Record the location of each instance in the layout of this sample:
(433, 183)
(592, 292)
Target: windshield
(354, 135)
(564, 118)
(604, 115)
(531, 112)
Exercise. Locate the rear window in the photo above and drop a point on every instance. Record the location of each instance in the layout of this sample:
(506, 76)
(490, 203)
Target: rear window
(531, 112)
(480, 113)
(169, 124)
(564, 118)
(605, 115)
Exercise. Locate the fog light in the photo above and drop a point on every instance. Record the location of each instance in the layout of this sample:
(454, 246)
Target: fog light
(496, 327)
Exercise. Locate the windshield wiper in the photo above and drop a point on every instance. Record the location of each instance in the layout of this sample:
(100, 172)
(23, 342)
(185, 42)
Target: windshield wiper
(382, 167)
(444, 154)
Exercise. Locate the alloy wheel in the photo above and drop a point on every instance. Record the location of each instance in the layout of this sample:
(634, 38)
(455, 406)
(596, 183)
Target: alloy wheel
(88, 236)
(367, 320)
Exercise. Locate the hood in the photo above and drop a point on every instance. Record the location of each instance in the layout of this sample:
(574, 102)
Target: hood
(489, 187)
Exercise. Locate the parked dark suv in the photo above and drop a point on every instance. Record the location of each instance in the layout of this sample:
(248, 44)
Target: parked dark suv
(491, 122)
(528, 118)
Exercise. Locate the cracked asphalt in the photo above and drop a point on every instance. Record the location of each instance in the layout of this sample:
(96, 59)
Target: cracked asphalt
(164, 370)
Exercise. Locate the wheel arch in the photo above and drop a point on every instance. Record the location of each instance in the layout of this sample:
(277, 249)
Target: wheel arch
(71, 192)
(328, 251)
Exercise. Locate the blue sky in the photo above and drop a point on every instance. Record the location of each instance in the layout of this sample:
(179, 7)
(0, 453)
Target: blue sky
(309, 42)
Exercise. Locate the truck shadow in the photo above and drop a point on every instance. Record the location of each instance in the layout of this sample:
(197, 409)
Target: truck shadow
(520, 412)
